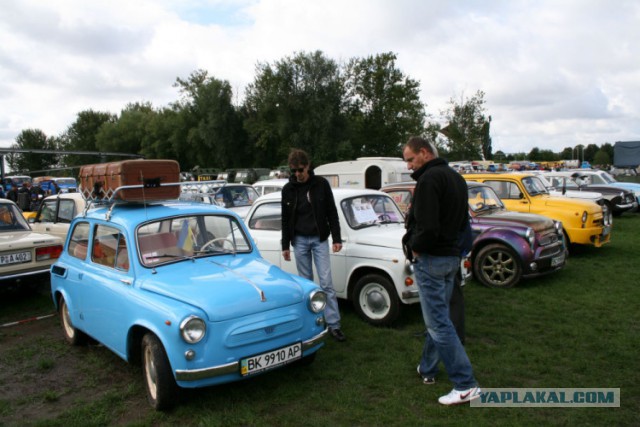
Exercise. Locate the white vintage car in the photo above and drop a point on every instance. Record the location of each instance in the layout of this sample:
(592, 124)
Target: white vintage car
(371, 270)
(25, 255)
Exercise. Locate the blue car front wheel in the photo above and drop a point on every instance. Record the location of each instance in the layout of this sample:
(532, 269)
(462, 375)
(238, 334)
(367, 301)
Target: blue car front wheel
(159, 381)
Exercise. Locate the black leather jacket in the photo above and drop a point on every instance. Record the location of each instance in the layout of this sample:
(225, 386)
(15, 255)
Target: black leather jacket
(439, 210)
(322, 203)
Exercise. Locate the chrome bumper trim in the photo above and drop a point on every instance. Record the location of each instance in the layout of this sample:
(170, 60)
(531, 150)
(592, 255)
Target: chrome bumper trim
(410, 294)
(234, 367)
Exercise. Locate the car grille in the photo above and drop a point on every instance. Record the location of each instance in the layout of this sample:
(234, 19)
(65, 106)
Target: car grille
(549, 238)
(550, 243)
(248, 335)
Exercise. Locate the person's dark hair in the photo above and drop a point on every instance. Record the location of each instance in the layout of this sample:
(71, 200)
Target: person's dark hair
(416, 143)
(298, 157)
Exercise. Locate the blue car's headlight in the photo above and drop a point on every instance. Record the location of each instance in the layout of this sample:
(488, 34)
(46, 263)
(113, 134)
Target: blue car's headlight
(317, 301)
(193, 329)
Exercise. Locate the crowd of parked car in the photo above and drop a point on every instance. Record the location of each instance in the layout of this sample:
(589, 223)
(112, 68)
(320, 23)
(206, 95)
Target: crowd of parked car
(197, 292)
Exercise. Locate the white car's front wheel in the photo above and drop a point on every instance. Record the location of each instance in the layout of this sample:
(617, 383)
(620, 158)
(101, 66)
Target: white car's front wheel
(375, 300)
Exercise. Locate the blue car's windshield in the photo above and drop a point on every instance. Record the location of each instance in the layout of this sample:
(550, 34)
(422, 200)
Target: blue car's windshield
(186, 237)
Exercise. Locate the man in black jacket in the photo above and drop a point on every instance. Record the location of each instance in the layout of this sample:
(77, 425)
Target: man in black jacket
(309, 216)
(437, 217)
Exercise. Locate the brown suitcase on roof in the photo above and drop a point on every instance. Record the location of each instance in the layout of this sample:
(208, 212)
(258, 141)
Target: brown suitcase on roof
(101, 180)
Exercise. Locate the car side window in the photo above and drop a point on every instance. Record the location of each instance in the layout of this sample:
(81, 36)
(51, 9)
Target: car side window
(402, 199)
(267, 216)
(48, 211)
(66, 211)
(109, 248)
(505, 190)
(79, 240)
(513, 191)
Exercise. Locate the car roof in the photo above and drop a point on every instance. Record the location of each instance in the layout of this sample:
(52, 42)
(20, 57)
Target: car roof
(8, 202)
(271, 181)
(338, 193)
(498, 175)
(410, 184)
(72, 196)
(132, 214)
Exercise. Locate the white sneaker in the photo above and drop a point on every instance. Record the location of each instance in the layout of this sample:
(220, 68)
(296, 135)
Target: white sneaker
(456, 397)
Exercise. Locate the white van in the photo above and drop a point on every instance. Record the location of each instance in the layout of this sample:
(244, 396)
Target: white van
(365, 172)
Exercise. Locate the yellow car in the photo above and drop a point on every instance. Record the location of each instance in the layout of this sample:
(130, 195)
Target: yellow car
(583, 221)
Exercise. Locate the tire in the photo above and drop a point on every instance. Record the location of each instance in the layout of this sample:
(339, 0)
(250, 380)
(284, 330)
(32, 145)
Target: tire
(375, 300)
(497, 266)
(72, 335)
(159, 382)
(614, 213)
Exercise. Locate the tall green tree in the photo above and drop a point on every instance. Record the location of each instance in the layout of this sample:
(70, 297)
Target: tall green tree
(601, 158)
(384, 105)
(297, 102)
(467, 128)
(590, 152)
(607, 147)
(487, 149)
(166, 137)
(82, 136)
(32, 139)
(125, 135)
(566, 153)
(215, 137)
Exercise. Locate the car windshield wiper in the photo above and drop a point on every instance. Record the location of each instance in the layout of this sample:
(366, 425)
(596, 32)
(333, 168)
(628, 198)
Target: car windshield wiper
(388, 221)
(214, 251)
(365, 225)
(173, 258)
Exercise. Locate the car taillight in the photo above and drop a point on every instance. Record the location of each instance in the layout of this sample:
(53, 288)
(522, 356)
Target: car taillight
(48, 252)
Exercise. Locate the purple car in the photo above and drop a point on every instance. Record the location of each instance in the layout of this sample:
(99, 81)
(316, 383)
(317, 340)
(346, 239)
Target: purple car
(507, 245)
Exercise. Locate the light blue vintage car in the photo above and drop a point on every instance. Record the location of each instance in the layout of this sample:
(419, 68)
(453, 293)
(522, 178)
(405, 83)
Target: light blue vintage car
(181, 288)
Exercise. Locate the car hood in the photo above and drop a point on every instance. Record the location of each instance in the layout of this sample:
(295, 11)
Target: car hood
(385, 236)
(629, 186)
(599, 188)
(577, 194)
(226, 287)
(507, 218)
(26, 239)
(570, 203)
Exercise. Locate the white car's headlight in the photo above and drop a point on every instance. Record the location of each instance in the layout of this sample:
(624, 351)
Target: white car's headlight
(193, 329)
(317, 301)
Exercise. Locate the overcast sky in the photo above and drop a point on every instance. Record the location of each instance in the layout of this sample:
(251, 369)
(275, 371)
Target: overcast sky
(554, 73)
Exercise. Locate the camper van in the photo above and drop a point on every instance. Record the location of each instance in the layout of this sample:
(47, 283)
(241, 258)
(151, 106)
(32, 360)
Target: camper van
(365, 172)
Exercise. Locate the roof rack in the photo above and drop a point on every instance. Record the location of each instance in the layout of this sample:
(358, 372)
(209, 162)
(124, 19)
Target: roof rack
(98, 196)
(202, 187)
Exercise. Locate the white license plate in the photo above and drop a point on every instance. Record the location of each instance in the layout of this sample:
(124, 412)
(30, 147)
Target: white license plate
(557, 260)
(272, 359)
(15, 258)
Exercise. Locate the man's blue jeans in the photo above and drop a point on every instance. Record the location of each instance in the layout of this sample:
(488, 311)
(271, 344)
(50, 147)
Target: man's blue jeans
(436, 279)
(306, 250)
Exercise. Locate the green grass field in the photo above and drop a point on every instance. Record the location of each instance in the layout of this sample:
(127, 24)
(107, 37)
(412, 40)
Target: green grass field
(577, 328)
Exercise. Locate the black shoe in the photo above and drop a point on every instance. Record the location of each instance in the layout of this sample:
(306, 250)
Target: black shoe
(337, 334)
